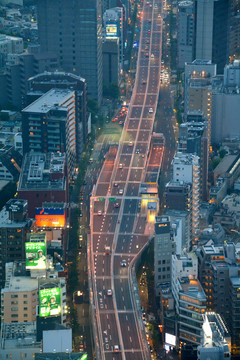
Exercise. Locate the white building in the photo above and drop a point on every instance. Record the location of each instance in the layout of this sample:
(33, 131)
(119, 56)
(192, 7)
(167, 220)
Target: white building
(215, 339)
(185, 32)
(232, 74)
(186, 168)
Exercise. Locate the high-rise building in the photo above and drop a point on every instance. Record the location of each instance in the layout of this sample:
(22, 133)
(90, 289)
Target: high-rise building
(42, 83)
(14, 227)
(226, 105)
(193, 139)
(164, 247)
(49, 125)
(216, 341)
(234, 29)
(190, 302)
(111, 66)
(198, 90)
(212, 24)
(113, 28)
(73, 30)
(219, 275)
(186, 169)
(185, 37)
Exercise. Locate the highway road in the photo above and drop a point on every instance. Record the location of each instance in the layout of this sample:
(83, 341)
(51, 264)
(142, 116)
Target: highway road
(119, 230)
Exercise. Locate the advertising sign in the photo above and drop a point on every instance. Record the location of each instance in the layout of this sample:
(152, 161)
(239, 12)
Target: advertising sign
(111, 31)
(49, 302)
(50, 217)
(35, 255)
(170, 339)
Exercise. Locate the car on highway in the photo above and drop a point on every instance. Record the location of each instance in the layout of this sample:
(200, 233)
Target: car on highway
(137, 151)
(109, 292)
(152, 56)
(80, 238)
(107, 250)
(130, 143)
(90, 160)
(120, 191)
(99, 212)
(150, 110)
(115, 185)
(149, 31)
(146, 48)
(116, 205)
(123, 263)
(121, 122)
(116, 348)
(147, 54)
(120, 166)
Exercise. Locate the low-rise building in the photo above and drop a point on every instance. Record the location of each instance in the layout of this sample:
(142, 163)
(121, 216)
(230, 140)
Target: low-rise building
(14, 227)
(43, 179)
(216, 341)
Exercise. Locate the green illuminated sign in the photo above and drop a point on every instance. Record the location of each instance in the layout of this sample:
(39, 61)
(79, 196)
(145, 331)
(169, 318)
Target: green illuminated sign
(112, 199)
(35, 255)
(101, 199)
(49, 302)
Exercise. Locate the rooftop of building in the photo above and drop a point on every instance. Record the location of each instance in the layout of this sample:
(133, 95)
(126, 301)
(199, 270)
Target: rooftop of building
(53, 99)
(18, 335)
(192, 288)
(235, 281)
(20, 284)
(58, 356)
(215, 333)
(58, 76)
(184, 158)
(178, 184)
(5, 222)
(37, 170)
(227, 164)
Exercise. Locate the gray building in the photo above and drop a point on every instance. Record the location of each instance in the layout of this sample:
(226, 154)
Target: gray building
(164, 247)
(72, 29)
(212, 21)
(14, 226)
(42, 83)
(226, 105)
(185, 37)
(49, 125)
(111, 66)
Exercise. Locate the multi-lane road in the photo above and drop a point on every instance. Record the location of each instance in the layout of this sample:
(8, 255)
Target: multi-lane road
(119, 230)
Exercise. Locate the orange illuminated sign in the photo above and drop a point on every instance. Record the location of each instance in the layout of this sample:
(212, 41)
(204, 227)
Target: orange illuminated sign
(50, 220)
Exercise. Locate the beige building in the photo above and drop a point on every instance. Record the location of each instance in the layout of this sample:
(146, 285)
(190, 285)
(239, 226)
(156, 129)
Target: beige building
(19, 299)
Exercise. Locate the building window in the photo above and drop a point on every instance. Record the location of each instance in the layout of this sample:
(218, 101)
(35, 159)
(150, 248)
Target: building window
(25, 315)
(14, 296)
(25, 308)
(25, 302)
(25, 296)
(14, 315)
(14, 309)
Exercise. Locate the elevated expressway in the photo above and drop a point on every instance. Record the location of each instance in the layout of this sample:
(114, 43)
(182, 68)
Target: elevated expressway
(123, 206)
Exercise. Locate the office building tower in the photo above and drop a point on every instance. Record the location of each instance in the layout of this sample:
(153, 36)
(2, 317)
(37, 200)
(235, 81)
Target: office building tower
(43, 179)
(190, 303)
(193, 139)
(164, 247)
(234, 29)
(49, 125)
(73, 30)
(186, 169)
(16, 74)
(178, 196)
(219, 273)
(226, 105)
(113, 28)
(185, 36)
(216, 341)
(14, 227)
(185, 218)
(198, 89)
(111, 66)
(42, 83)
(212, 24)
